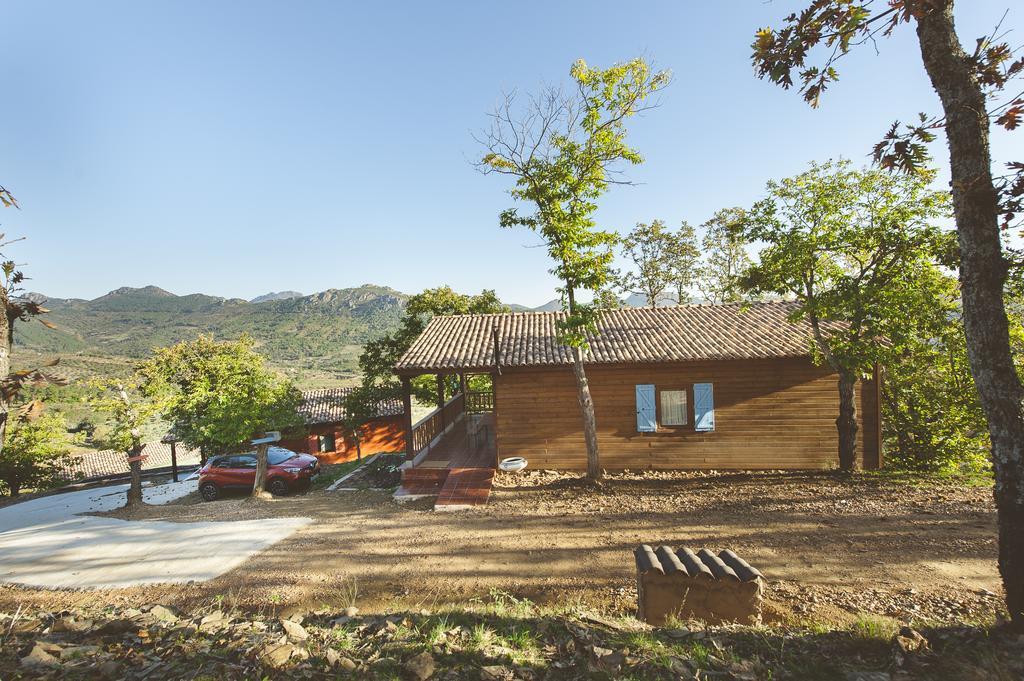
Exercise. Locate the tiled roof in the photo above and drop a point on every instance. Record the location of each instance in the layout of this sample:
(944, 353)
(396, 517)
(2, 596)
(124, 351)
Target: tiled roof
(627, 335)
(327, 405)
(108, 462)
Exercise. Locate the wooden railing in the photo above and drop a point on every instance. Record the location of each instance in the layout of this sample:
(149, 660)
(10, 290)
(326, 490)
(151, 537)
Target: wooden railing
(477, 402)
(431, 425)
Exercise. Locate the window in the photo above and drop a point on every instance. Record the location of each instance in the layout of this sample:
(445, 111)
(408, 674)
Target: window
(673, 408)
(325, 443)
(243, 461)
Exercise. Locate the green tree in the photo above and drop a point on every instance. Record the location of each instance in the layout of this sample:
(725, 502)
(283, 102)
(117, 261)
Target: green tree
(858, 251)
(932, 418)
(35, 453)
(684, 259)
(218, 395)
(563, 152)
(378, 358)
(972, 88)
(649, 249)
(16, 308)
(127, 411)
(725, 256)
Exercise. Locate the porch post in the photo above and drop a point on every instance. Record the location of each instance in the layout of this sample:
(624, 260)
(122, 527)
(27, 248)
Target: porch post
(494, 415)
(407, 406)
(440, 398)
(462, 383)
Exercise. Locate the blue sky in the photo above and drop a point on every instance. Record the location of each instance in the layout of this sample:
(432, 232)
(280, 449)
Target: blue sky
(235, 148)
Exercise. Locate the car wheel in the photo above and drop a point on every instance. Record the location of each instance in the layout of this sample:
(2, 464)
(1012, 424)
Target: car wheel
(209, 491)
(278, 487)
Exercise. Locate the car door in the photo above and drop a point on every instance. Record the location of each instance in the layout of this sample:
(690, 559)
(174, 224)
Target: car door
(244, 468)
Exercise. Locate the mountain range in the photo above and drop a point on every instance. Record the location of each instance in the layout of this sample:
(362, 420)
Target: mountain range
(320, 333)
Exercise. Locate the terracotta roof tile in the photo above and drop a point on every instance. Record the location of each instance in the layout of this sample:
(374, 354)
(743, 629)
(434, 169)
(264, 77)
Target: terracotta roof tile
(641, 335)
(327, 405)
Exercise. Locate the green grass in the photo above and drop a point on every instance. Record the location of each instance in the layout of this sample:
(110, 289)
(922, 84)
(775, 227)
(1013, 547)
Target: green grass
(874, 627)
(336, 471)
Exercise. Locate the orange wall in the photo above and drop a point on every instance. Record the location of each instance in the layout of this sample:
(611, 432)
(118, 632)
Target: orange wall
(386, 434)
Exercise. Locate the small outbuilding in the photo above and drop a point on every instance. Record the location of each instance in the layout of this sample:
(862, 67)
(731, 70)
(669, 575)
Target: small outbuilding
(323, 412)
(689, 387)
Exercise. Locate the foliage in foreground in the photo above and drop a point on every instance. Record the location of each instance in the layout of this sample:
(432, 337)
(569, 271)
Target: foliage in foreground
(503, 639)
(34, 453)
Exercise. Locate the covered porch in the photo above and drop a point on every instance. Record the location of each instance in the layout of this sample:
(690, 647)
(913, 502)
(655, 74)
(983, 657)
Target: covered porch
(451, 452)
(458, 433)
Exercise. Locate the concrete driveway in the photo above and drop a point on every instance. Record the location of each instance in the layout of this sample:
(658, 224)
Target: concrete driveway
(46, 542)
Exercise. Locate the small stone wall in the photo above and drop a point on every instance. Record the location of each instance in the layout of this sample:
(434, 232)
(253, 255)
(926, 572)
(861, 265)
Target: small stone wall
(684, 584)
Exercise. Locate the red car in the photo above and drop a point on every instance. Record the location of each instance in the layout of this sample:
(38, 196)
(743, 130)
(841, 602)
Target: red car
(286, 471)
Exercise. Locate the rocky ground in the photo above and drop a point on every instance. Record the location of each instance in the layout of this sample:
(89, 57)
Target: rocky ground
(503, 640)
(914, 551)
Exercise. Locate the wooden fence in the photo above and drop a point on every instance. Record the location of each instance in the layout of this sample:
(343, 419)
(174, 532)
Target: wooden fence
(477, 402)
(434, 423)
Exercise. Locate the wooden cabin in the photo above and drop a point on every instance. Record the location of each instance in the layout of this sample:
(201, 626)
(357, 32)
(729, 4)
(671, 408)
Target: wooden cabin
(689, 387)
(323, 412)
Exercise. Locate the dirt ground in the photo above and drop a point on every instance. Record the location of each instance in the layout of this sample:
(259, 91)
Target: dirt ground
(831, 547)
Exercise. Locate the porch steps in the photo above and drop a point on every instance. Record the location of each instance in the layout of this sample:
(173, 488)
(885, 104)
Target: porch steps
(455, 488)
(421, 482)
(465, 488)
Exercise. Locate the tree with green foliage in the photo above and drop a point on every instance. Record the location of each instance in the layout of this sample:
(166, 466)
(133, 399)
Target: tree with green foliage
(859, 253)
(127, 411)
(35, 453)
(362, 405)
(932, 418)
(972, 87)
(684, 260)
(563, 152)
(219, 395)
(379, 356)
(725, 256)
(16, 308)
(649, 249)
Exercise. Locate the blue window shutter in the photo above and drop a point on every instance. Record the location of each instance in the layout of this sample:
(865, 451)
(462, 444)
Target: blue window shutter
(646, 416)
(703, 407)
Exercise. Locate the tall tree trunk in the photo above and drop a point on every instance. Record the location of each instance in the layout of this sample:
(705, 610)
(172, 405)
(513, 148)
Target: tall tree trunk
(589, 420)
(135, 476)
(846, 422)
(259, 486)
(982, 277)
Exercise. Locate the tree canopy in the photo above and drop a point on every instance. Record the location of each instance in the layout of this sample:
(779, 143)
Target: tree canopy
(725, 256)
(35, 451)
(860, 246)
(563, 152)
(219, 394)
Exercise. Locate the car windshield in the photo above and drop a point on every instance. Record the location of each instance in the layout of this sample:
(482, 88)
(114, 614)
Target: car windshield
(277, 456)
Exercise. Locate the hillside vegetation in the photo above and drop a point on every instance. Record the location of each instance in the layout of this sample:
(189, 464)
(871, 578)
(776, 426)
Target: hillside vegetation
(318, 334)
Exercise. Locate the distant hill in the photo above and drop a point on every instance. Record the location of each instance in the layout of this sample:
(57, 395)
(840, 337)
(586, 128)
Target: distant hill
(321, 331)
(316, 338)
(283, 295)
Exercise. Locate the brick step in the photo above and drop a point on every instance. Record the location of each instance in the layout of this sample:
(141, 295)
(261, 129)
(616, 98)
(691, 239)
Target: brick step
(422, 481)
(465, 488)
